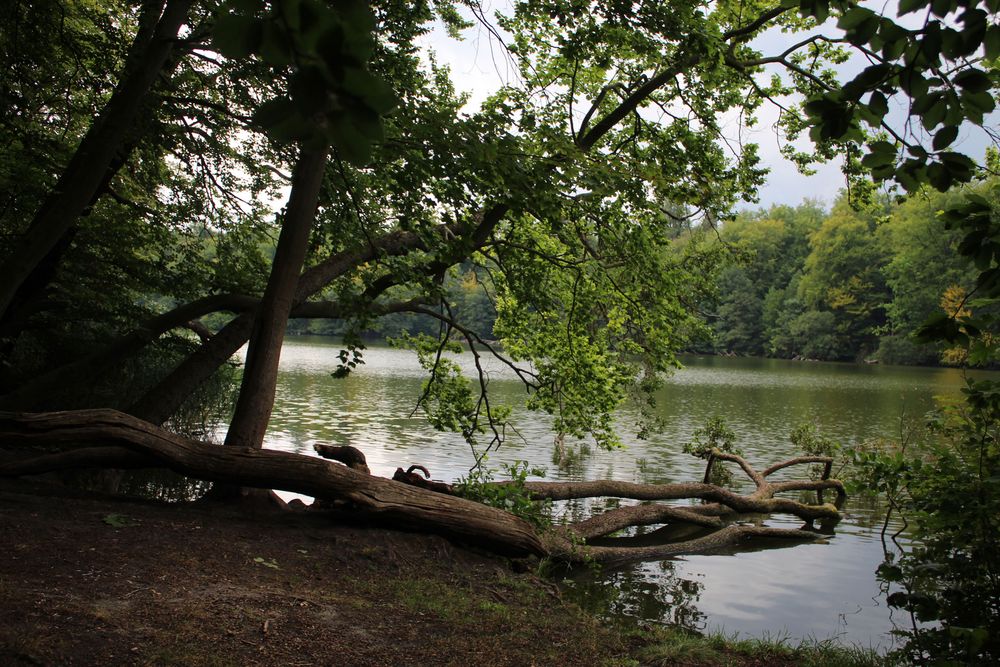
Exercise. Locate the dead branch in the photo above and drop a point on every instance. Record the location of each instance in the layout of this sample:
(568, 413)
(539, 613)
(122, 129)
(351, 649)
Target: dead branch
(640, 515)
(731, 535)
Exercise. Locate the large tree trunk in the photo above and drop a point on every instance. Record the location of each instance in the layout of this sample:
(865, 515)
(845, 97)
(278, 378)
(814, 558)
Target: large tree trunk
(119, 440)
(260, 375)
(87, 169)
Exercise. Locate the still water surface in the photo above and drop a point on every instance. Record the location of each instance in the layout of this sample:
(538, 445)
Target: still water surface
(805, 591)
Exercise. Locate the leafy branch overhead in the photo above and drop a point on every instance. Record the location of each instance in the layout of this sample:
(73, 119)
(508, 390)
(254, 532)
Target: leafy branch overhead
(942, 71)
(325, 48)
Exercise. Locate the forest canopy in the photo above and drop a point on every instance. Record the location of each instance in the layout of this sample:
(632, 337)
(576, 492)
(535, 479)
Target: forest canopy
(145, 144)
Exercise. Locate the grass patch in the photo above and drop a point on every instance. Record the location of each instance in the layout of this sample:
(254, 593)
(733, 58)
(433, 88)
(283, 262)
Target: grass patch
(428, 596)
(667, 646)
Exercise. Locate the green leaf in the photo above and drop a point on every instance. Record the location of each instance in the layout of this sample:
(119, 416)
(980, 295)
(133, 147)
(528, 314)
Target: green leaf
(863, 33)
(237, 36)
(933, 116)
(283, 121)
(273, 564)
(309, 89)
(274, 111)
(369, 124)
(894, 48)
(945, 137)
(973, 80)
(938, 327)
(924, 102)
(939, 176)
(817, 107)
(889, 572)
(854, 17)
(952, 44)
(380, 97)
(878, 104)
(882, 153)
(981, 101)
(353, 146)
(941, 7)
(957, 160)
(909, 179)
(909, 6)
(276, 46)
(991, 42)
(912, 83)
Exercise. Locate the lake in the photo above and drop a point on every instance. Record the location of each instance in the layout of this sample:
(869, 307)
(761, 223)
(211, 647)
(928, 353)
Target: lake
(817, 591)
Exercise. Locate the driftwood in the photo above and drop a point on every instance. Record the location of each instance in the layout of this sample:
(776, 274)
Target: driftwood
(107, 438)
(352, 457)
(708, 516)
(409, 477)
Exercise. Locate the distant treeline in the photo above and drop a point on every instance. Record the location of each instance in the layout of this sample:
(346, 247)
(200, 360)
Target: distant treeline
(843, 285)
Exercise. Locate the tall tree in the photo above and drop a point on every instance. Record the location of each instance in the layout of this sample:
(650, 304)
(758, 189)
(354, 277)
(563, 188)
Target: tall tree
(843, 276)
(565, 188)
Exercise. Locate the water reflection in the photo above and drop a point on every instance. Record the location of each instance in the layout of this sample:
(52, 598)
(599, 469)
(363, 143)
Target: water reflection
(808, 590)
(664, 598)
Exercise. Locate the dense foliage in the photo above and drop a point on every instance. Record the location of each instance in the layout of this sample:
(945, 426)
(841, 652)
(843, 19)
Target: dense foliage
(944, 480)
(560, 198)
(846, 285)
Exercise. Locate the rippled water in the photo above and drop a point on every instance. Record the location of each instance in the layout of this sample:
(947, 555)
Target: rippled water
(804, 591)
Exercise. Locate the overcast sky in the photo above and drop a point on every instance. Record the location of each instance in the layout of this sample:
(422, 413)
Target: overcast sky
(479, 67)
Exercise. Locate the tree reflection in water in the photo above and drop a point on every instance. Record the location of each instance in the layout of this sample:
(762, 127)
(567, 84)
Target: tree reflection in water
(648, 591)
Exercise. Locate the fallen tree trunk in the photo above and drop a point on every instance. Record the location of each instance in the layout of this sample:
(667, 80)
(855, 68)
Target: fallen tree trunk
(706, 516)
(379, 498)
(108, 438)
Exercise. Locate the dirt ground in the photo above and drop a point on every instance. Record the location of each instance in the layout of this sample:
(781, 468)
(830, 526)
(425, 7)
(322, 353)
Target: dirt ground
(88, 580)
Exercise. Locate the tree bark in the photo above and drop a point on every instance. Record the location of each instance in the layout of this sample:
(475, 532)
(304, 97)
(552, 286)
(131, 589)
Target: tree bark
(260, 375)
(86, 170)
(757, 503)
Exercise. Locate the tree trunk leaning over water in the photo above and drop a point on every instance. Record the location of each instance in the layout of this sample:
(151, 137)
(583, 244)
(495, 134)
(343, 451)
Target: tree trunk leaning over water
(260, 375)
(108, 438)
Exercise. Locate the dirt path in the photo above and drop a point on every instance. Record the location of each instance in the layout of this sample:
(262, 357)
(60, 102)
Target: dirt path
(97, 581)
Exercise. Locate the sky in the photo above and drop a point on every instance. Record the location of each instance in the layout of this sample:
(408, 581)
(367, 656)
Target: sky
(479, 67)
